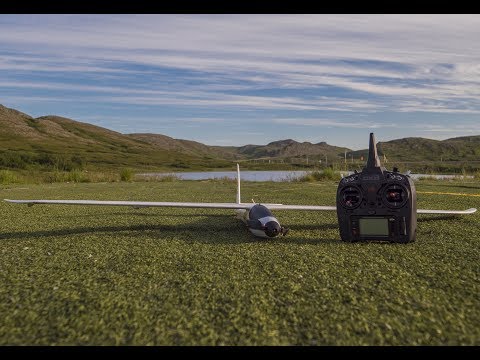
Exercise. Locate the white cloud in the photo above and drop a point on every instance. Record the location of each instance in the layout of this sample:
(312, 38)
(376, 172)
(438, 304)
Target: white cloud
(472, 128)
(334, 123)
(397, 63)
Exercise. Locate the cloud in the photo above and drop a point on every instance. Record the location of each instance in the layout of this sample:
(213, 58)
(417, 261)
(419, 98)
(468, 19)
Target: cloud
(206, 97)
(282, 66)
(472, 128)
(334, 123)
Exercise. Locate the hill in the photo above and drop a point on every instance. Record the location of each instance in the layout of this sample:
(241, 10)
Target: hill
(190, 147)
(65, 143)
(282, 149)
(421, 149)
(292, 149)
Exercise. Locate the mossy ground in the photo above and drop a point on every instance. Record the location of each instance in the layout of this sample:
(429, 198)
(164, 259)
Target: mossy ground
(78, 275)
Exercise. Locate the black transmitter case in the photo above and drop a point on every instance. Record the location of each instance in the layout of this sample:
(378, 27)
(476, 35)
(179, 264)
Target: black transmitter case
(377, 204)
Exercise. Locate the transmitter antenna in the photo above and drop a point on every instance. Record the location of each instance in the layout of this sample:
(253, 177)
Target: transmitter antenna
(373, 160)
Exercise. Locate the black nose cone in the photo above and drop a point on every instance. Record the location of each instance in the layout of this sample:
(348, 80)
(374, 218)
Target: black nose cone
(272, 228)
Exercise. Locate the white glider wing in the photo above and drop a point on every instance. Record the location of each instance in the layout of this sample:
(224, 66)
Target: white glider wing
(333, 208)
(246, 206)
(453, 212)
(300, 207)
(139, 204)
(145, 204)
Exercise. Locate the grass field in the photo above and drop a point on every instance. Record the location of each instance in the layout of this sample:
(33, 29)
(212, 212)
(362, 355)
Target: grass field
(118, 276)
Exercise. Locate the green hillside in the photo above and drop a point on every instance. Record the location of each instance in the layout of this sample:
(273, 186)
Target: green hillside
(190, 147)
(53, 141)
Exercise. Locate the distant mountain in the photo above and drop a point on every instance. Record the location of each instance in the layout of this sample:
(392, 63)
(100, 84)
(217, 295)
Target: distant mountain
(421, 149)
(38, 139)
(187, 146)
(275, 150)
(291, 149)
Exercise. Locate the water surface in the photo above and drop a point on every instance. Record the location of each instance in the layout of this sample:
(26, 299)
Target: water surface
(278, 175)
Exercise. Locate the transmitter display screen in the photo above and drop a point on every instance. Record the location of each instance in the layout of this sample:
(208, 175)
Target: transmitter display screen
(372, 226)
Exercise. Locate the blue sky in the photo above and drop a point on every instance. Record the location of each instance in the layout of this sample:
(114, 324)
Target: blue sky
(249, 79)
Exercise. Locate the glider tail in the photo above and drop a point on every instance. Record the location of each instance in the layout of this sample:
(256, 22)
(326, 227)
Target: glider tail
(241, 214)
(238, 185)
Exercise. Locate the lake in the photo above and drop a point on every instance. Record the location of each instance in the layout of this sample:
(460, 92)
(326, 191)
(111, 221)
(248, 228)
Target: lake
(279, 175)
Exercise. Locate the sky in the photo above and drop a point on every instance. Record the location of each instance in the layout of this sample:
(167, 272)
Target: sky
(246, 78)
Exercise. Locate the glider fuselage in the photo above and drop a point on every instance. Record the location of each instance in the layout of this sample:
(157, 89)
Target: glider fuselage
(260, 221)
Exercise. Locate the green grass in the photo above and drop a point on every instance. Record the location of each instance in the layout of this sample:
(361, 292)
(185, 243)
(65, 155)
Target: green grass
(83, 275)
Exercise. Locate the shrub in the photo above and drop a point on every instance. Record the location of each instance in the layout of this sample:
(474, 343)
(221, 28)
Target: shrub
(327, 174)
(76, 176)
(66, 176)
(12, 159)
(180, 165)
(8, 177)
(102, 176)
(159, 178)
(126, 174)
